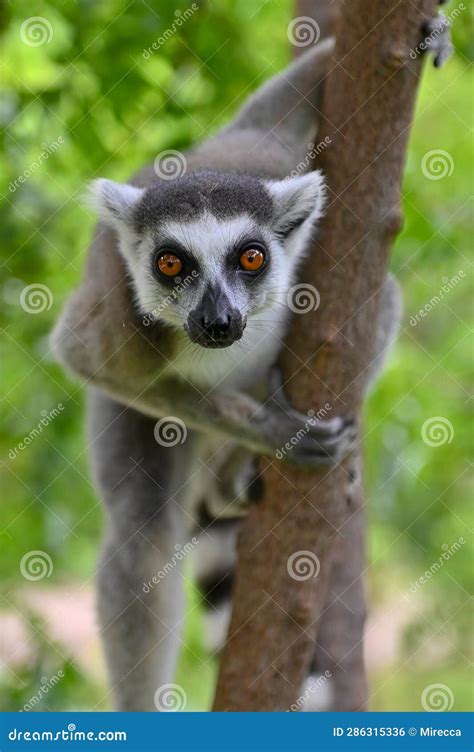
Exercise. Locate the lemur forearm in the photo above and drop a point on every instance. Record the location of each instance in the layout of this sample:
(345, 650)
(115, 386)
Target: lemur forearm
(232, 414)
(105, 368)
(260, 428)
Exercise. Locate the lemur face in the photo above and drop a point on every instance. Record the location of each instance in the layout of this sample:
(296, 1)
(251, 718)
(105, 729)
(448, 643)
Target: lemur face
(208, 251)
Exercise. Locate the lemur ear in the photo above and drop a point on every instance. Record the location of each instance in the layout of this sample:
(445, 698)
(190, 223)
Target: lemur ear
(296, 200)
(114, 202)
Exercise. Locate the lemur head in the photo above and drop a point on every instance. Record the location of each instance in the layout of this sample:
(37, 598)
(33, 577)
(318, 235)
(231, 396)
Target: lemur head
(209, 250)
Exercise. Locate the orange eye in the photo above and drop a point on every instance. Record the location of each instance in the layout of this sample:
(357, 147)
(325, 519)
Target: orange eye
(169, 264)
(252, 260)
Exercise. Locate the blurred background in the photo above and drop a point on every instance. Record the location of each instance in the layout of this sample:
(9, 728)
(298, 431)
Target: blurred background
(86, 94)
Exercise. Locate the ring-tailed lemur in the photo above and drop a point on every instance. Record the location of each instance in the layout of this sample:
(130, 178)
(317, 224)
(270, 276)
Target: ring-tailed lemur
(181, 315)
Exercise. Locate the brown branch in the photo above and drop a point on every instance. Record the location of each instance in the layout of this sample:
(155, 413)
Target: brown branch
(368, 109)
(339, 647)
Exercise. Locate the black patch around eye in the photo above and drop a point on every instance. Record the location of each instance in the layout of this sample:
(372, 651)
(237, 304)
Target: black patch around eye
(189, 271)
(250, 275)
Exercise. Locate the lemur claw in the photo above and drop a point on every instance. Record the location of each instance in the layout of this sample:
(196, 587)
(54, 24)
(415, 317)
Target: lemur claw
(319, 441)
(438, 39)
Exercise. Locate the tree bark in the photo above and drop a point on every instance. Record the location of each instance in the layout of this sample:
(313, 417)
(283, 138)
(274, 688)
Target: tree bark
(339, 645)
(367, 111)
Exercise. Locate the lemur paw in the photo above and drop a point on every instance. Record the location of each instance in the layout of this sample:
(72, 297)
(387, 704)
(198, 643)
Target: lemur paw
(305, 440)
(240, 485)
(437, 39)
(248, 488)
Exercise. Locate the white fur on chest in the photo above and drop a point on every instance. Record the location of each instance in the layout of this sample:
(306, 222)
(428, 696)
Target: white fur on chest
(243, 364)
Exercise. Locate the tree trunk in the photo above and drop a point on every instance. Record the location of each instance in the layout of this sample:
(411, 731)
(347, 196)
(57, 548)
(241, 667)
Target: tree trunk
(367, 110)
(339, 646)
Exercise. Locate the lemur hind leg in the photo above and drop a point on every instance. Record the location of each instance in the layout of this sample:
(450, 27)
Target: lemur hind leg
(213, 568)
(139, 583)
(235, 484)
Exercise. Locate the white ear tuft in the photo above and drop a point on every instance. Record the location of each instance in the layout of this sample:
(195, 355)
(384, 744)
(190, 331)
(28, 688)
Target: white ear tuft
(297, 199)
(114, 202)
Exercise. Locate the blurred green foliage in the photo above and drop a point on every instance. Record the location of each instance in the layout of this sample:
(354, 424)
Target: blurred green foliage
(110, 108)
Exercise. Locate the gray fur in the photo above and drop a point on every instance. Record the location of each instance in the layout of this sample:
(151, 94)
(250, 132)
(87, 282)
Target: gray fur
(223, 194)
(142, 366)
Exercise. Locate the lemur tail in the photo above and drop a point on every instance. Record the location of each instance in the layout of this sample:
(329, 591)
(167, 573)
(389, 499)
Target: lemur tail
(289, 104)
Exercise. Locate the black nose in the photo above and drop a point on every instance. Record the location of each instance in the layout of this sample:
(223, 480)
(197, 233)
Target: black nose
(217, 327)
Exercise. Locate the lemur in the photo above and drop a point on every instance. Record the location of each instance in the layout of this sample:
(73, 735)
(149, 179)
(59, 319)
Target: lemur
(179, 319)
